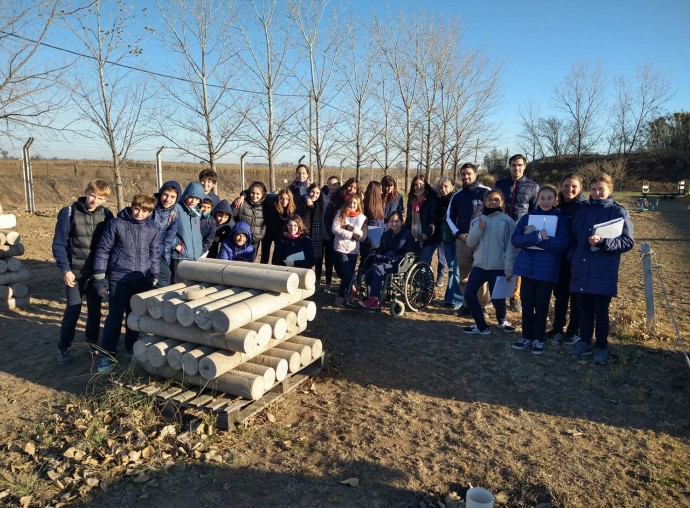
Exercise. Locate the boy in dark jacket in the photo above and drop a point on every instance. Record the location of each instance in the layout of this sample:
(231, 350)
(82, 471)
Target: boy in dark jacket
(77, 231)
(189, 238)
(166, 219)
(126, 263)
(238, 245)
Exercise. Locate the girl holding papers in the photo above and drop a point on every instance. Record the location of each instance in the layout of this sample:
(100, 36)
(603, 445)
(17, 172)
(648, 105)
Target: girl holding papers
(294, 247)
(542, 236)
(603, 231)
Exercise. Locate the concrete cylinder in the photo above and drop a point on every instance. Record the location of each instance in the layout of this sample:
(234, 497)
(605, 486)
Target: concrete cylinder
(244, 275)
(315, 344)
(156, 351)
(267, 373)
(175, 354)
(8, 251)
(186, 311)
(12, 277)
(279, 365)
(307, 277)
(138, 301)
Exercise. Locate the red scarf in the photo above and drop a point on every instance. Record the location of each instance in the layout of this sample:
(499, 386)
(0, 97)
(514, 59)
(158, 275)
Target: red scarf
(352, 213)
(418, 202)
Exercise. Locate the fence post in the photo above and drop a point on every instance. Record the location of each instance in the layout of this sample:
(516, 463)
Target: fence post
(242, 169)
(648, 285)
(28, 178)
(159, 168)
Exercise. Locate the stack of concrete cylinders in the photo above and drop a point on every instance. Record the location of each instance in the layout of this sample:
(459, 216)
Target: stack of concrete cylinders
(13, 277)
(231, 326)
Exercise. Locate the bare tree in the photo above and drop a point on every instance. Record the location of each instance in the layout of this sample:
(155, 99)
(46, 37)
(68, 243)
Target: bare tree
(556, 136)
(266, 44)
(400, 46)
(205, 109)
(108, 96)
(321, 40)
(581, 97)
(389, 119)
(28, 95)
(530, 136)
(637, 102)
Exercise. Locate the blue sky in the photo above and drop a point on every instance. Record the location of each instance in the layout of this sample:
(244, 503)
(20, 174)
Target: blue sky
(537, 42)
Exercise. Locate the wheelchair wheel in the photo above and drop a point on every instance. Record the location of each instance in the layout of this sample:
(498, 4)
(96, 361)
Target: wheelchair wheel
(397, 308)
(419, 286)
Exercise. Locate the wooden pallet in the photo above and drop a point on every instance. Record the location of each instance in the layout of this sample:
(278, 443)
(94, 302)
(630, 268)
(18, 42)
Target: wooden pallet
(229, 410)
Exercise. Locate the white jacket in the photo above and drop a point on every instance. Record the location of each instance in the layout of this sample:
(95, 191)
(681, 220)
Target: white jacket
(494, 249)
(342, 238)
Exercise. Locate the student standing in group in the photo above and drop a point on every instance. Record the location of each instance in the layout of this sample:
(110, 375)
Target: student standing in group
(331, 190)
(294, 247)
(520, 194)
(277, 211)
(126, 263)
(189, 243)
(208, 179)
(452, 297)
(251, 210)
(392, 199)
(465, 205)
(237, 246)
(570, 200)
(299, 187)
(166, 218)
(538, 263)
(313, 223)
(595, 260)
(222, 215)
(77, 232)
(494, 256)
(422, 217)
(349, 229)
(373, 209)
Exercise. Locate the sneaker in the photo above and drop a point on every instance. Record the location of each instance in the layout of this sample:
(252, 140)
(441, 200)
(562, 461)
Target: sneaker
(464, 311)
(340, 302)
(475, 329)
(105, 365)
(439, 280)
(537, 347)
(554, 336)
(371, 304)
(522, 344)
(64, 357)
(451, 306)
(581, 350)
(570, 339)
(515, 305)
(352, 303)
(600, 356)
(506, 326)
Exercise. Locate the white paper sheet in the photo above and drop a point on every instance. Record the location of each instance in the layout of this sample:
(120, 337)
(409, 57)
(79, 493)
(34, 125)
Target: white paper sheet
(503, 288)
(297, 256)
(374, 234)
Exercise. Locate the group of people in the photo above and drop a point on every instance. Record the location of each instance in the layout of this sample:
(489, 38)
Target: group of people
(549, 238)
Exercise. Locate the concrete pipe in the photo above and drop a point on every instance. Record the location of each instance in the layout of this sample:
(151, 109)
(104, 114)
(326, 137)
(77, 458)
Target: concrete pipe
(278, 325)
(244, 275)
(186, 311)
(157, 351)
(315, 344)
(11, 237)
(190, 360)
(12, 277)
(303, 351)
(279, 365)
(268, 373)
(138, 301)
(8, 251)
(175, 354)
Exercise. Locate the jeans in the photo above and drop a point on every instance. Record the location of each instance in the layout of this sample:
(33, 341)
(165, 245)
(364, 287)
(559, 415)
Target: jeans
(165, 274)
(345, 265)
(594, 308)
(118, 303)
(442, 265)
(479, 276)
(376, 274)
(563, 299)
(83, 288)
(464, 259)
(427, 253)
(535, 296)
(328, 255)
(452, 296)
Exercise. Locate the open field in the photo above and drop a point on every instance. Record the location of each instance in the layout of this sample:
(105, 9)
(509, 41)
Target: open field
(412, 408)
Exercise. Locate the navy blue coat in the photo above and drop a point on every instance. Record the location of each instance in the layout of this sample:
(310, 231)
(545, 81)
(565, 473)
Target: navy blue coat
(543, 263)
(394, 245)
(525, 199)
(166, 220)
(596, 271)
(128, 250)
(285, 247)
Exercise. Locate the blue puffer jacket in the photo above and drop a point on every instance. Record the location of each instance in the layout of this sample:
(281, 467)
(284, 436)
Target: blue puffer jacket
(596, 271)
(128, 250)
(525, 200)
(228, 249)
(543, 263)
(166, 220)
(189, 227)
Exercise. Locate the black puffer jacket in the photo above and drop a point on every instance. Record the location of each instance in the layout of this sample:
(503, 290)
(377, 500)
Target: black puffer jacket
(525, 196)
(253, 214)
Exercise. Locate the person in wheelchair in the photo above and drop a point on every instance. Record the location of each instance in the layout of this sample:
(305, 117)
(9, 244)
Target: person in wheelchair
(395, 243)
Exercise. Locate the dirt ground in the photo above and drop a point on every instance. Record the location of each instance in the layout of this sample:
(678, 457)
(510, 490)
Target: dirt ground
(411, 407)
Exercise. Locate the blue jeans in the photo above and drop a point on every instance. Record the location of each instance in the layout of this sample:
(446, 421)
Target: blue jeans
(535, 296)
(68, 326)
(376, 274)
(345, 266)
(442, 264)
(594, 308)
(427, 252)
(452, 296)
(118, 304)
(479, 276)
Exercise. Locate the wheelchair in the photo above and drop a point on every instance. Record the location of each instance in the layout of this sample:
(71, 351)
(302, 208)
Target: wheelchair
(410, 288)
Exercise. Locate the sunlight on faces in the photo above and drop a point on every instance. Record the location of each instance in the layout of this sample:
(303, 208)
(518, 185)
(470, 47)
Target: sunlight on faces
(353, 204)
(240, 239)
(292, 228)
(139, 213)
(207, 184)
(301, 174)
(314, 193)
(445, 189)
(493, 200)
(599, 190)
(546, 200)
(333, 186)
(351, 189)
(468, 176)
(284, 200)
(388, 190)
(418, 186)
(205, 208)
(570, 188)
(395, 223)
(191, 202)
(221, 217)
(255, 194)
(517, 169)
(93, 200)
(168, 198)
